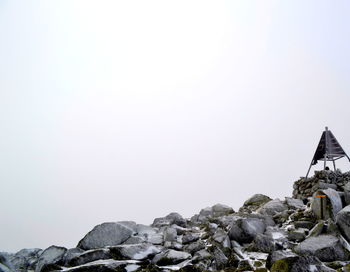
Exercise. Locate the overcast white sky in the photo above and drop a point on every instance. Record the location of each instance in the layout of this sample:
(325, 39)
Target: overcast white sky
(130, 110)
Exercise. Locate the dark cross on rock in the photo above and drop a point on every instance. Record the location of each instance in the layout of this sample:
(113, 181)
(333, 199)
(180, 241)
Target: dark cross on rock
(328, 149)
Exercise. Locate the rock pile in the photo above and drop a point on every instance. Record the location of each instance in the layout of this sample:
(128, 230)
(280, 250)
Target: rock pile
(337, 180)
(264, 235)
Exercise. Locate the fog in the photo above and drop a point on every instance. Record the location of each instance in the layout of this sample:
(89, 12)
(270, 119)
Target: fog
(130, 110)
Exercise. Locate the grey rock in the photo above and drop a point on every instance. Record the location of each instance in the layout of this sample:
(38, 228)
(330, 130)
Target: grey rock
(219, 210)
(221, 237)
(170, 234)
(220, 258)
(90, 256)
(332, 203)
(4, 268)
(243, 230)
(99, 266)
(156, 239)
(50, 258)
(295, 203)
(317, 229)
(190, 237)
(70, 254)
(135, 251)
(279, 255)
(25, 259)
(172, 218)
(106, 234)
(325, 247)
(254, 202)
(273, 207)
(170, 257)
(262, 243)
(297, 235)
(343, 222)
(194, 247)
(135, 240)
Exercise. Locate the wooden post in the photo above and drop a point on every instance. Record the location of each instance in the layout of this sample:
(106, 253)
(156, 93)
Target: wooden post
(321, 204)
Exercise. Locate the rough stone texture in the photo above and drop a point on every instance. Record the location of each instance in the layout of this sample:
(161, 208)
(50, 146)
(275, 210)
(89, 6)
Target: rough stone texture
(254, 202)
(273, 207)
(295, 203)
(332, 204)
(70, 254)
(172, 218)
(243, 230)
(25, 259)
(170, 257)
(325, 247)
(90, 256)
(106, 234)
(135, 251)
(50, 258)
(99, 266)
(343, 222)
(307, 187)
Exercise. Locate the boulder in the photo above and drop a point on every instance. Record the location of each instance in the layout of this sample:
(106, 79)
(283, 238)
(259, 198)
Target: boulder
(332, 204)
(327, 248)
(262, 243)
(26, 258)
(243, 230)
(99, 266)
(300, 263)
(254, 202)
(70, 254)
(106, 234)
(170, 257)
(5, 263)
(273, 207)
(220, 236)
(343, 222)
(219, 210)
(190, 237)
(170, 234)
(172, 218)
(194, 247)
(50, 258)
(90, 256)
(135, 251)
(294, 203)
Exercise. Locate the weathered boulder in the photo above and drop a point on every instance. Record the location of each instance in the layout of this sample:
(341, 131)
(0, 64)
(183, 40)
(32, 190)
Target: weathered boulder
(172, 218)
(243, 230)
(70, 254)
(343, 222)
(170, 234)
(254, 202)
(90, 256)
(273, 207)
(26, 258)
(300, 263)
(325, 247)
(190, 237)
(170, 257)
(106, 234)
(220, 236)
(332, 204)
(135, 251)
(295, 203)
(194, 246)
(4, 268)
(50, 258)
(221, 210)
(262, 243)
(108, 265)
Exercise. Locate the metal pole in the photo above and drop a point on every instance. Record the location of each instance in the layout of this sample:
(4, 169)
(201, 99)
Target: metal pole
(321, 199)
(334, 166)
(307, 174)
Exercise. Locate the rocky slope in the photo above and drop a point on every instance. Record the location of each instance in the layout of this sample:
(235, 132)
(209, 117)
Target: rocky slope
(266, 234)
